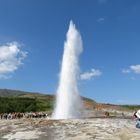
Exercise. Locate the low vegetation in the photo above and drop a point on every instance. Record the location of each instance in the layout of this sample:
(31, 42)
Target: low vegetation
(15, 104)
(131, 107)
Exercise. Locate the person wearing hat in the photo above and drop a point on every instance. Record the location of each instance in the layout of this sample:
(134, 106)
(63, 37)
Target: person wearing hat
(137, 116)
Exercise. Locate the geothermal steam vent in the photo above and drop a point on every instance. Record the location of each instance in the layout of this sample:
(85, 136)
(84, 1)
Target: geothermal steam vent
(68, 102)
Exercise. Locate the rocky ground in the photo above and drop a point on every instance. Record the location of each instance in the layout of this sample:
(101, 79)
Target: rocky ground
(73, 129)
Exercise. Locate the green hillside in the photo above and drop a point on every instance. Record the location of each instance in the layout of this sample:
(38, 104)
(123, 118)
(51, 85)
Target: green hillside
(21, 101)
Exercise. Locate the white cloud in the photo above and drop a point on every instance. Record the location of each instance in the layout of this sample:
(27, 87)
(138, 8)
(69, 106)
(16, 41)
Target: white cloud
(126, 70)
(132, 78)
(91, 74)
(11, 57)
(101, 19)
(132, 69)
(135, 69)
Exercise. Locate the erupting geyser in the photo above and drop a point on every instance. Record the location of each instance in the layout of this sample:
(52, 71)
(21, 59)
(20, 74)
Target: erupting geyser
(68, 101)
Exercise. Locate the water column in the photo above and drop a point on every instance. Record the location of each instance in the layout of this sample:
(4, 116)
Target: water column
(68, 101)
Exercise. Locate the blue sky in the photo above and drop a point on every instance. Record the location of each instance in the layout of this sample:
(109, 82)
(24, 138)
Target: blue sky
(35, 31)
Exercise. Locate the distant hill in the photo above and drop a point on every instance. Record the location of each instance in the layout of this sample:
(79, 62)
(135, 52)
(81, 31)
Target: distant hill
(35, 95)
(45, 102)
(9, 93)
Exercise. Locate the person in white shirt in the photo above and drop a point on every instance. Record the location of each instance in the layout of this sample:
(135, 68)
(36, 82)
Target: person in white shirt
(137, 116)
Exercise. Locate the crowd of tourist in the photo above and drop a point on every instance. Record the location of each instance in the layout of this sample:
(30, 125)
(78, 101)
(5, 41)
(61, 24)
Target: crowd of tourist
(18, 115)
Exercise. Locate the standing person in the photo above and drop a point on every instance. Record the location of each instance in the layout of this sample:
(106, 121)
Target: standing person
(137, 116)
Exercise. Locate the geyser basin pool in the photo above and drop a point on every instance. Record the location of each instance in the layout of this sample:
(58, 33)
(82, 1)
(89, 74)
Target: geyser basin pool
(68, 102)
